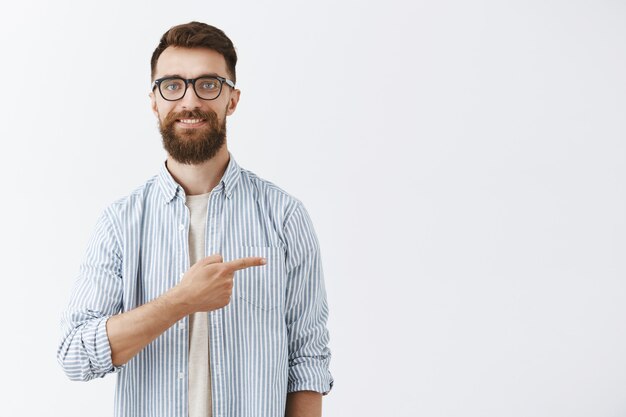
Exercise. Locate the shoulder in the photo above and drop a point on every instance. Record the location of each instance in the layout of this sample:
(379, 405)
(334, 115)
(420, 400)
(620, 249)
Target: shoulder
(270, 193)
(134, 202)
(287, 210)
(284, 211)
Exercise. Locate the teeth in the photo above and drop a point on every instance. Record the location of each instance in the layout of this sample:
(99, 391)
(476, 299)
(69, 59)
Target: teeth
(190, 121)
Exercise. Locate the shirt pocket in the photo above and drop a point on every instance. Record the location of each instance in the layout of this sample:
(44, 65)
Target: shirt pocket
(260, 286)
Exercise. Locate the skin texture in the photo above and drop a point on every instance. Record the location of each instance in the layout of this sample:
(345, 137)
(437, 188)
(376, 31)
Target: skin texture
(208, 284)
(304, 404)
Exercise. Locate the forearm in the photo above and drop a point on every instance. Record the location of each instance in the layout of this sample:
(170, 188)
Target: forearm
(304, 404)
(131, 331)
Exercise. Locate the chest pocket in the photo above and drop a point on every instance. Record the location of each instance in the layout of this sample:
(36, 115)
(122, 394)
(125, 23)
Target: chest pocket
(260, 286)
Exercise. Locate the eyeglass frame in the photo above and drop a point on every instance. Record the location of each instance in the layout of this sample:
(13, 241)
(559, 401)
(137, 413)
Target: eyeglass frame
(157, 83)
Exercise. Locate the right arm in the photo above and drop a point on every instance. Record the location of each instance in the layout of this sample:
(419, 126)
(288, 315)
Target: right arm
(96, 340)
(84, 351)
(131, 331)
(206, 286)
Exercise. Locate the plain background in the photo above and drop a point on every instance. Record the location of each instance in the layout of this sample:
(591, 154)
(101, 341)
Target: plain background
(462, 161)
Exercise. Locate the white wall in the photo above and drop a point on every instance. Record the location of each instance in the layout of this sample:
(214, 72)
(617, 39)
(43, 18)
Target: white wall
(463, 163)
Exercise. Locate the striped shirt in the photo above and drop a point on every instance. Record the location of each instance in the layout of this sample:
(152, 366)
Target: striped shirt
(269, 340)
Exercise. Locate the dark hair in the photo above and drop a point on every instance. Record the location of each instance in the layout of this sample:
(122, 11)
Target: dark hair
(198, 35)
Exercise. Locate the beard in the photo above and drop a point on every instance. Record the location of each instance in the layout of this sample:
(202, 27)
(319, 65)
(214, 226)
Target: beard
(193, 145)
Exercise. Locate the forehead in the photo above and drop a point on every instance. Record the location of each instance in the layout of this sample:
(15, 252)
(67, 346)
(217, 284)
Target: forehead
(190, 62)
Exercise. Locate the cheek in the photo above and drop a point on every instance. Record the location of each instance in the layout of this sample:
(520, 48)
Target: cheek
(163, 112)
(159, 116)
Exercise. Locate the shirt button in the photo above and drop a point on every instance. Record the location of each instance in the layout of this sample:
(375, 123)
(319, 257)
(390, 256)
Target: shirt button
(182, 274)
(181, 227)
(181, 375)
(181, 325)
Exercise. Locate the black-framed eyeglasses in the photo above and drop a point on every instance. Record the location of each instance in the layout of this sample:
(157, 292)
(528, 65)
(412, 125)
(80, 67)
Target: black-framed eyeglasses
(206, 87)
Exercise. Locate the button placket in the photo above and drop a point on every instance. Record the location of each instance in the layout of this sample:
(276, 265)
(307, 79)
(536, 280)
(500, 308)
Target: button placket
(182, 334)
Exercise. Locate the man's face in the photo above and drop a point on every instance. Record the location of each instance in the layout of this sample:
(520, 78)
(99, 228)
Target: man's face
(197, 142)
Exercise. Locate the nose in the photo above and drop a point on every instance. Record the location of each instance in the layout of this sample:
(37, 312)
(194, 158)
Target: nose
(190, 100)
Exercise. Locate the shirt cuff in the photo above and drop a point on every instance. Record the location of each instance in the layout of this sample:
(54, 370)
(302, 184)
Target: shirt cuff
(98, 348)
(310, 377)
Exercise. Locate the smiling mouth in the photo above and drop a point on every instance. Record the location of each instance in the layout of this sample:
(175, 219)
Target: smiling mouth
(190, 122)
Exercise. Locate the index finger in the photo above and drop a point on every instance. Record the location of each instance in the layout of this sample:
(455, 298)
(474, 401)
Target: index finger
(241, 263)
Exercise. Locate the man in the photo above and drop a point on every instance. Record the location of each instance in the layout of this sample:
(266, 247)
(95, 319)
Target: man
(241, 332)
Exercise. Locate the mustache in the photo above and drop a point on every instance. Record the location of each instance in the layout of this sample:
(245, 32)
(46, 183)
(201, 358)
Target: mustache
(210, 116)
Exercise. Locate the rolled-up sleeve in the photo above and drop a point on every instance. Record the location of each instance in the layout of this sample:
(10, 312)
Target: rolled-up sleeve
(84, 352)
(306, 307)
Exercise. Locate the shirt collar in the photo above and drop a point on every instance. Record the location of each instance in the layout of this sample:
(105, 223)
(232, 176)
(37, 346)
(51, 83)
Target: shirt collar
(170, 188)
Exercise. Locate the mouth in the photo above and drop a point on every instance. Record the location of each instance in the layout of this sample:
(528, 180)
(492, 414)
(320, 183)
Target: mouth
(190, 123)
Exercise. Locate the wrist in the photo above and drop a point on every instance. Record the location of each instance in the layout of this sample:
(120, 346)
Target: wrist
(177, 302)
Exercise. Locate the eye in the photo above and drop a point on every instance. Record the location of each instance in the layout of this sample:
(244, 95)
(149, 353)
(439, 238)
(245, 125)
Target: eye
(171, 85)
(208, 85)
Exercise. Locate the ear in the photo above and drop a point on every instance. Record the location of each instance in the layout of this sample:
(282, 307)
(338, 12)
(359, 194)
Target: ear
(233, 101)
(153, 104)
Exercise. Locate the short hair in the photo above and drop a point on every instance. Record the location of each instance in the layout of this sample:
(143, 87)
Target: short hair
(197, 35)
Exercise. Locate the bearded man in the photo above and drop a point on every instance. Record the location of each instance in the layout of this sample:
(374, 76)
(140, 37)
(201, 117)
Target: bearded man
(203, 288)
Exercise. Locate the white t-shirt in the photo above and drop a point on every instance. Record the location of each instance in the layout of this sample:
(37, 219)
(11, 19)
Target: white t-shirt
(199, 370)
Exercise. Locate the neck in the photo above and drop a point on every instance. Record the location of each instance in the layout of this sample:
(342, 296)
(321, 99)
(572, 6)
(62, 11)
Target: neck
(201, 178)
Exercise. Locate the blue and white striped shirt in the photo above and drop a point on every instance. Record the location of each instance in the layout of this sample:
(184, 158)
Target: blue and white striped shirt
(270, 339)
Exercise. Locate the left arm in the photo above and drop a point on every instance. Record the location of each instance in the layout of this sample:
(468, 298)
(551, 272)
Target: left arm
(304, 404)
(305, 316)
